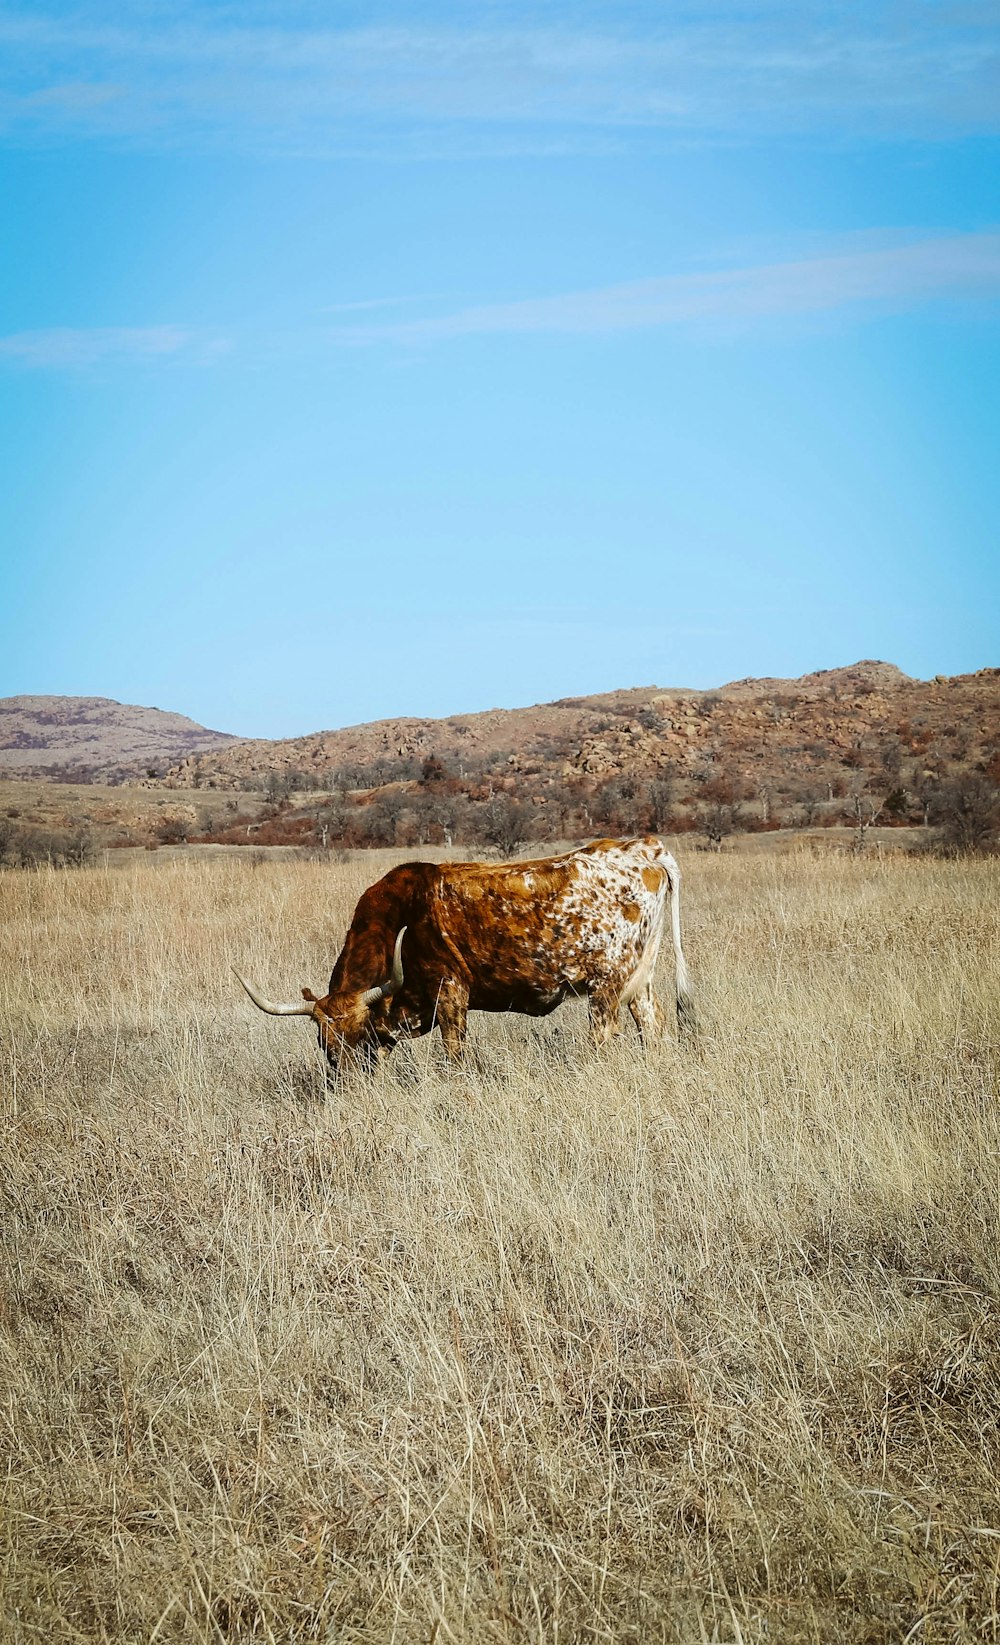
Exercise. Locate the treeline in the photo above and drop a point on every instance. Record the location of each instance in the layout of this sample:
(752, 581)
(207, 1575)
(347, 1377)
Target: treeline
(505, 802)
(510, 812)
(26, 845)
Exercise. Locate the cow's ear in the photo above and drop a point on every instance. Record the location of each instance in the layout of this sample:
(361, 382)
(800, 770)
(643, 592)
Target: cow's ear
(307, 994)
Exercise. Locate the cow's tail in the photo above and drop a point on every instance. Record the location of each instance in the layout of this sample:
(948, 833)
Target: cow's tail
(685, 998)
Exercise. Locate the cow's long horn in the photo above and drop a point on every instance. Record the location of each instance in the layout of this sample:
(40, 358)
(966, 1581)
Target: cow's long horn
(293, 1010)
(395, 982)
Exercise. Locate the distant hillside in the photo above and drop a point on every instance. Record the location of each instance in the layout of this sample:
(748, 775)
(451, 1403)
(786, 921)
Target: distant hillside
(766, 734)
(93, 739)
(829, 750)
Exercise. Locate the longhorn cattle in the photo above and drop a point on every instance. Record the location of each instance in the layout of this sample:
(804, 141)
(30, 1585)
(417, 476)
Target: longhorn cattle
(453, 937)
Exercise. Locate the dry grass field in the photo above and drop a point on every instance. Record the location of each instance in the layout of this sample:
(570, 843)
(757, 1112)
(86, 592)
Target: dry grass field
(569, 1346)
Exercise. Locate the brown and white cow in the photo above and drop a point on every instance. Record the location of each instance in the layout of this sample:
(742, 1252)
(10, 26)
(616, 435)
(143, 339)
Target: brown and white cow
(454, 937)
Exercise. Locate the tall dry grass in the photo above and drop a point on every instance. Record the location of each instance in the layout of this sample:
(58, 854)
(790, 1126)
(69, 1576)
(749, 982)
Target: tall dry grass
(695, 1345)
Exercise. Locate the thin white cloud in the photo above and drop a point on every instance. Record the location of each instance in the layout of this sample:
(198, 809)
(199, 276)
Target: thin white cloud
(963, 265)
(79, 346)
(858, 276)
(290, 84)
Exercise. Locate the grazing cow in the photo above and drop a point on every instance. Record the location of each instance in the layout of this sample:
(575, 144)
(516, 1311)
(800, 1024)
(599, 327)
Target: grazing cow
(501, 937)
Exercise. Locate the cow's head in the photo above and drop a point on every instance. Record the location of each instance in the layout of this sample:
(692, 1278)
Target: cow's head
(349, 1020)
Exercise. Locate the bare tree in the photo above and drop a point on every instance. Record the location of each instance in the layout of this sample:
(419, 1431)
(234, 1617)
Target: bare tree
(864, 809)
(661, 795)
(614, 805)
(719, 819)
(504, 824)
(443, 813)
(965, 813)
(331, 818)
(79, 850)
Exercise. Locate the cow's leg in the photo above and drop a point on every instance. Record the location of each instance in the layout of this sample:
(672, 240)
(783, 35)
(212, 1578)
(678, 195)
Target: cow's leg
(452, 1016)
(603, 1005)
(647, 1014)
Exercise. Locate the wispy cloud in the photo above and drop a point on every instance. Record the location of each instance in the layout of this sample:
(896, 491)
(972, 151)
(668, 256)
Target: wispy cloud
(963, 265)
(170, 76)
(859, 278)
(79, 346)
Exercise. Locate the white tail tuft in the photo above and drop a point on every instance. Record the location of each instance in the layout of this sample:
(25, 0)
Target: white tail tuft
(684, 996)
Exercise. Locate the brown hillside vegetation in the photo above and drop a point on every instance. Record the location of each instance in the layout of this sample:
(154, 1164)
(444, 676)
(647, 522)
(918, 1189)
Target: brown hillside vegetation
(93, 739)
(836, 748)
(861, 718)
(696, 1344)
(844, 749)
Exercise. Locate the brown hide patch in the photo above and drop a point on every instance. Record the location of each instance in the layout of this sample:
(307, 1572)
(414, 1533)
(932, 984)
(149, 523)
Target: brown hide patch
(535, 885)
(652, 878)
(530, 882)
(632, 912)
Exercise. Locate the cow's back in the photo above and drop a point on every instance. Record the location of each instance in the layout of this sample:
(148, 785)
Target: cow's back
(520, 936)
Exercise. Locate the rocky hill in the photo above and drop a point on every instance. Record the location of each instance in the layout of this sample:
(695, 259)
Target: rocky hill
(767, 734)
(831, 749)
(93, 739)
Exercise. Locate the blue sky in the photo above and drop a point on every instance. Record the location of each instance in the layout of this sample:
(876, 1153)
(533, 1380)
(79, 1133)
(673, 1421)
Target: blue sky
(367, 360)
